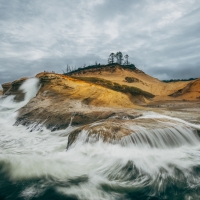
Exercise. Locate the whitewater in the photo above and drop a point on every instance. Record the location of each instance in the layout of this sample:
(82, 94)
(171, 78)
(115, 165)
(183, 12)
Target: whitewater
(157, 164)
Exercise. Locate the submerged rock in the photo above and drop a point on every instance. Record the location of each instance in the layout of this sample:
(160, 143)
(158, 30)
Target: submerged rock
(108, 131)
(152, 132)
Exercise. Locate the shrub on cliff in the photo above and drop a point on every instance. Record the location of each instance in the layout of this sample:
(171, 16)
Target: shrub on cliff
(131, 79)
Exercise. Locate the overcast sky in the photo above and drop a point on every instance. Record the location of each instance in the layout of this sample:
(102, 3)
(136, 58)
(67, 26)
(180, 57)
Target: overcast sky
(162, 37)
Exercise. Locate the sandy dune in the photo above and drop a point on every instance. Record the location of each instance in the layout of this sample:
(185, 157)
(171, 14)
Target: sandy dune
(190, 92)
(160, 89)
(87, 93)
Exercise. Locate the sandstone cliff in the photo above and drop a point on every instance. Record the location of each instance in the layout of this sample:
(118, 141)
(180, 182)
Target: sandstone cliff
(62, 100)
(190, 92)
(120, 75)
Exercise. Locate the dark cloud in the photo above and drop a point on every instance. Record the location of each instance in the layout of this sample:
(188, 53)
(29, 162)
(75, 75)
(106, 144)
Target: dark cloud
(161, 37)
(191, 70)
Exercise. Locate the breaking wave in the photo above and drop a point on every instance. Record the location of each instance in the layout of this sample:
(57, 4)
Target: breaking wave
(156, 163)
(30, 87)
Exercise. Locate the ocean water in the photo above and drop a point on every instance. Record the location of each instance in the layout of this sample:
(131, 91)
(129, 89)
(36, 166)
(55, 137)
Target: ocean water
(157, 164)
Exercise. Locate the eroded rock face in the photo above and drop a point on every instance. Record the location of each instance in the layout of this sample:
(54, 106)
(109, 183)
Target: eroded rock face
(60, 120)
(6, 87)
(190, 92)
(62, 100)
(13, 88)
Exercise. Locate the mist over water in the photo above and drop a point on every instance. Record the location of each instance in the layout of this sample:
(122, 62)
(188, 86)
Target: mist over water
(157, 164)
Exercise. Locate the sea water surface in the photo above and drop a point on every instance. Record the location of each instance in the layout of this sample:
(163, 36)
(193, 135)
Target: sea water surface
(160, 164)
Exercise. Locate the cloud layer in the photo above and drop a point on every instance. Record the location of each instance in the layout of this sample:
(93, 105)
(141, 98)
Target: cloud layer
(161, 37)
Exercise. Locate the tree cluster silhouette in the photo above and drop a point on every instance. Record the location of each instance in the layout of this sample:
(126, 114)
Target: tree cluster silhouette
(118, 58)
(113, 58)
(176, 80)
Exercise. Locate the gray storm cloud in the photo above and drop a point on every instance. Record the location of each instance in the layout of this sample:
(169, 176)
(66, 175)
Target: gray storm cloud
(161, 37)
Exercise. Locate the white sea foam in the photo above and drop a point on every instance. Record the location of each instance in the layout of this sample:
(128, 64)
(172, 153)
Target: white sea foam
(29, 87)
(42, 155)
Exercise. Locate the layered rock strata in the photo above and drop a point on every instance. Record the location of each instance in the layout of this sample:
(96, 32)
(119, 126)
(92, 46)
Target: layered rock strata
(62, 100)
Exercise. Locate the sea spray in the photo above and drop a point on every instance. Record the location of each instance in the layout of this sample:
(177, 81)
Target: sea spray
(160, 164)
(30, 87)
(141, 132)
(162, 138)
(94, 170)
(8, 106)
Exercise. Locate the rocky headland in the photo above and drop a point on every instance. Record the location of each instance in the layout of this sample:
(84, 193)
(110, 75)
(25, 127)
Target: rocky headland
(103, 102)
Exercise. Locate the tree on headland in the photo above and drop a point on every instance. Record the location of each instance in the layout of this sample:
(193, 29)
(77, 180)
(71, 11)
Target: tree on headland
(119, 57)
(126, 59)
(111, 58)
(68, 69)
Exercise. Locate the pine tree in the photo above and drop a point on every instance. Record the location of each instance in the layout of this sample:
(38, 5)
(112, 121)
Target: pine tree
(126, 60)
(119, 57)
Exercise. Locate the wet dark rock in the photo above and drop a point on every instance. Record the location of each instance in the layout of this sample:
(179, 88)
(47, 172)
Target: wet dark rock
(6, 87)
(198, 132)
(57, 121)
(110, 130)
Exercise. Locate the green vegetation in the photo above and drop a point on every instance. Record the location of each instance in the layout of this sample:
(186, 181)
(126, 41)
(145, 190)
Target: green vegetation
(176, 80)
(113, 60)
(118, 57)
(99, 66)
(115, 86)
(131, 79)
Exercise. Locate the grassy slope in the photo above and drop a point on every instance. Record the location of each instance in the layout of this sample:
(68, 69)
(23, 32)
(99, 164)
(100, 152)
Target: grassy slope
(130, 67)
(115, 86)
